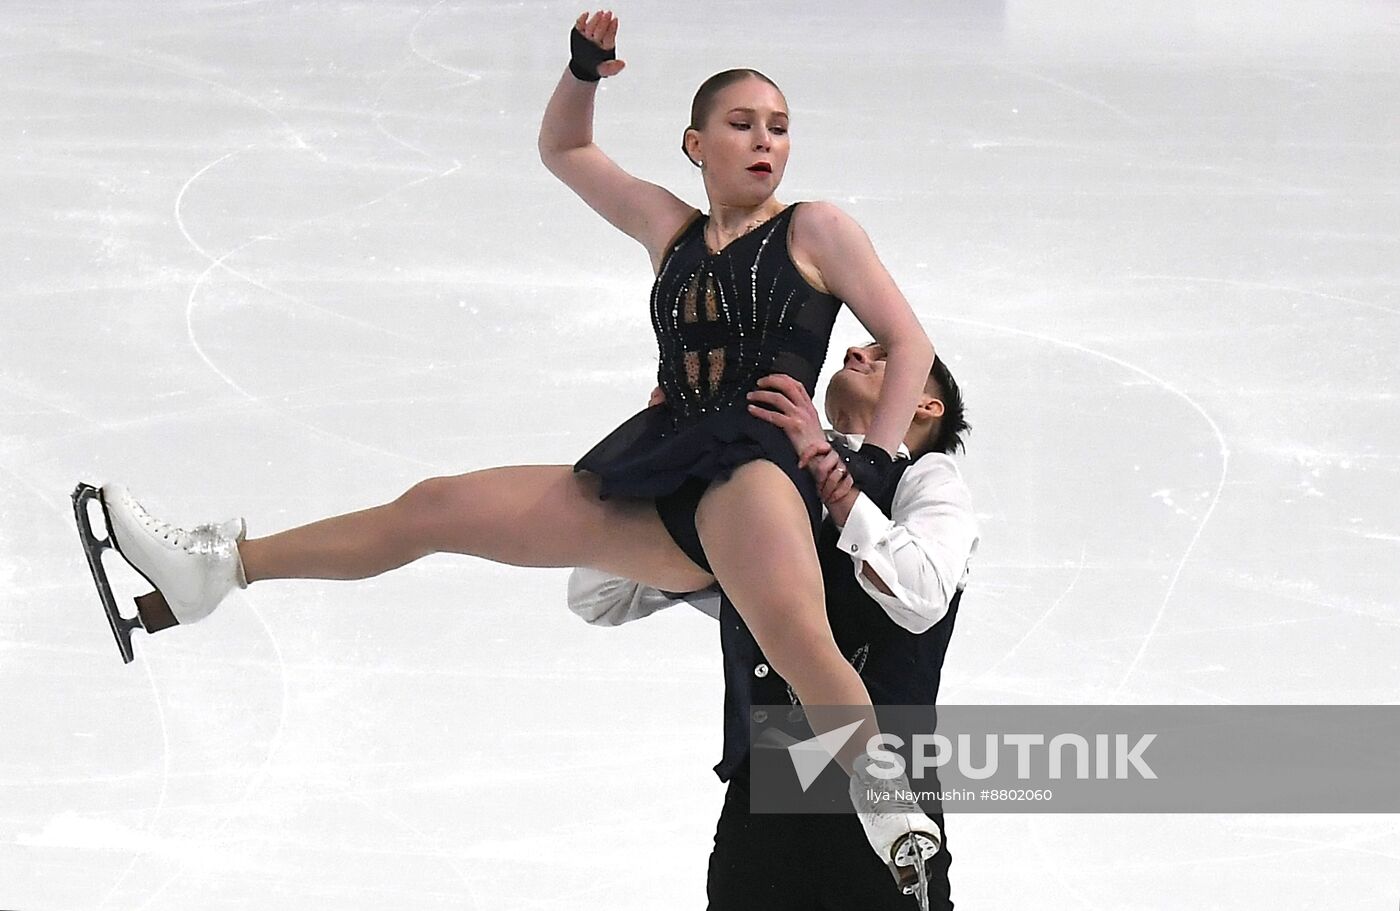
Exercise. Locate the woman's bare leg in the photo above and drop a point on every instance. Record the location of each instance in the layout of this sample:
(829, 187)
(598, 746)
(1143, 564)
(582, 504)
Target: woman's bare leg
(548, 515)
(757, 538)
(525, 515)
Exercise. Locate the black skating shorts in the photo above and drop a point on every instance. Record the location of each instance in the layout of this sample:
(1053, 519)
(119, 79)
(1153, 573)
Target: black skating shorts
(677, 511)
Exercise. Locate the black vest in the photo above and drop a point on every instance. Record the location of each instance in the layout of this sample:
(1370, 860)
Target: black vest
(898, 667)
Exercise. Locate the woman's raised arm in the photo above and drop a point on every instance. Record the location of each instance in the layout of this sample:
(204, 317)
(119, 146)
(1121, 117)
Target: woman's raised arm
(650, 214)
(851, 270)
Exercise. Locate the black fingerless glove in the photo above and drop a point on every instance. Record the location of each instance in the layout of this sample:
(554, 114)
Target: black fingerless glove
(871, 468)
(586, 57)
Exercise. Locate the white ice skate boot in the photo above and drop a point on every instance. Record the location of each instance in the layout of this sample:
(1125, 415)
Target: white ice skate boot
(899, 831)
(192, 570)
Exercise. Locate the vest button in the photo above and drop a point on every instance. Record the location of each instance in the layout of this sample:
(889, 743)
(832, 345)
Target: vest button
(760, 716)
(760, 670)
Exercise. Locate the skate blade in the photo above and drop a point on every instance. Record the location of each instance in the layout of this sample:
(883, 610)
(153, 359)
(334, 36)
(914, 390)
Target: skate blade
(909, 865)
(153, 613)
(83, 494)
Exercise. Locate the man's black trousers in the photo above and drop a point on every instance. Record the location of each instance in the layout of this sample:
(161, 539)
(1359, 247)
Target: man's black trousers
(805, 862)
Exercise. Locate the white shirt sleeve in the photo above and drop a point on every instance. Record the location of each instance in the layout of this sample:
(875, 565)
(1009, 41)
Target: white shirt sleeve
(921, 551)
(602, 599)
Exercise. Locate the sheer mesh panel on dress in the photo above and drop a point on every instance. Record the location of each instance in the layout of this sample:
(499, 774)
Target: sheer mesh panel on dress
(810, 329)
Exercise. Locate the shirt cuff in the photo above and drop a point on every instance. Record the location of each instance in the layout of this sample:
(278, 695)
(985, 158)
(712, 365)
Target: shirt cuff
(864, 528)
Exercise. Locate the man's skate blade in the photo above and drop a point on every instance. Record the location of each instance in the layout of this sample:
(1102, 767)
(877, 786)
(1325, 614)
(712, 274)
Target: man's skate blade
(911, 873)
(918, 887)
(92, 549)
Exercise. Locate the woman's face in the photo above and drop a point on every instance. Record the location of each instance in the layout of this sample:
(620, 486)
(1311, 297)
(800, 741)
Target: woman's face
(747, 128)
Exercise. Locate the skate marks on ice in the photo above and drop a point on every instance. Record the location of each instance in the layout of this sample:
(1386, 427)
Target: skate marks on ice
(143, 839)
(294, 302)
(1222, 450)
(1266, 286)
(70, 830)
(1215, 856)
(468, 77)
(294, 139)
(1248, 843)
(254, 782)
(221, 262)
(1096, 100)
(264, 402)
(1039, 621)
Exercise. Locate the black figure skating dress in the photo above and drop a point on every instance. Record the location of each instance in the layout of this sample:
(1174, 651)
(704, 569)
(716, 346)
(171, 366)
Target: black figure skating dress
(722, 321)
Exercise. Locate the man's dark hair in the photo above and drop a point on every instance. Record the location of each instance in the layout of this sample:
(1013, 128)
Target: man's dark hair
(947, 436)
(704, 101)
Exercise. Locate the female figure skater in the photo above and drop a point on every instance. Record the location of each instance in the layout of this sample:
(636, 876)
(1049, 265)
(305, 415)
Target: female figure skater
(690, 491)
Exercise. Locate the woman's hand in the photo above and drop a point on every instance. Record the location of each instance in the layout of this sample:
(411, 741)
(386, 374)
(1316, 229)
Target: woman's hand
(657, 397)
(600, 30)
(794, 411)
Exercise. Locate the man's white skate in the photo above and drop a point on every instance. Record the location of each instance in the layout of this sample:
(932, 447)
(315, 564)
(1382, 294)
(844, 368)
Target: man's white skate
(904, 837)
(190, 570)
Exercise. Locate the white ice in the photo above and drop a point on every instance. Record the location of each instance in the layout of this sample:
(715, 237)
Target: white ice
(283, 260)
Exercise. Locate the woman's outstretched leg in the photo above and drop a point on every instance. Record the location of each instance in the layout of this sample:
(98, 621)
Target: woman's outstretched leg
(525, 515)
(528, 515)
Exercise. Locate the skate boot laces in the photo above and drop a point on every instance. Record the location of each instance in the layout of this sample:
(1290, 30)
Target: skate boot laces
(209, 539)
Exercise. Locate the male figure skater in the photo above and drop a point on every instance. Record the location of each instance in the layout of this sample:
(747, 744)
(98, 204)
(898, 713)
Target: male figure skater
(894, 562)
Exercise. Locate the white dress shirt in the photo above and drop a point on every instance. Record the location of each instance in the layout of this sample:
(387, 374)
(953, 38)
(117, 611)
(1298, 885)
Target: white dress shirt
(921, 552)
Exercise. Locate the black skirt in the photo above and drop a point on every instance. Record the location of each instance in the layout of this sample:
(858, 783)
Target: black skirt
(654, 456)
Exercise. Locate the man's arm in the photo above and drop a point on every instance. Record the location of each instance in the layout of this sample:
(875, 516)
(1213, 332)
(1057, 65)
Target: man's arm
(602, 599)
(913, 561)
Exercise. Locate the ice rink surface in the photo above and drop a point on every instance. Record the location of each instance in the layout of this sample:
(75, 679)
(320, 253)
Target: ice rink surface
(283, 260)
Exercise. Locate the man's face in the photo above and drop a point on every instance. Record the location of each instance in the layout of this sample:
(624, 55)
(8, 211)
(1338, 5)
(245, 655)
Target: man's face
(856, 386)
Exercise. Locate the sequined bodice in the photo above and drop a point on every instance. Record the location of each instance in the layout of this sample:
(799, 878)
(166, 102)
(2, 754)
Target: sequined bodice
(723, 320)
